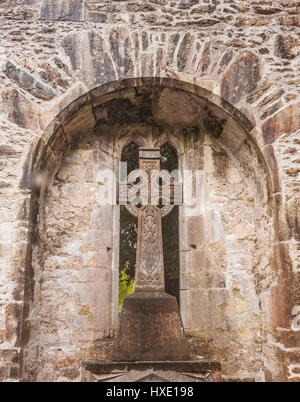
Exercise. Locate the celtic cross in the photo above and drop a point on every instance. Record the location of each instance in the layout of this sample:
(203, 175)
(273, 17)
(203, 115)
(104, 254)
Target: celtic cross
(147, 187)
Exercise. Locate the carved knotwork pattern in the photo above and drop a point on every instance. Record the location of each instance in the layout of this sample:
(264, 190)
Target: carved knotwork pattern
(150, 250)
(150, 165)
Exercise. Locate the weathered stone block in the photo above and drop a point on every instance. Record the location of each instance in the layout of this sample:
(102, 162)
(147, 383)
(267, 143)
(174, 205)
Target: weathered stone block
(293, 216)
(150, 329)
(62, 10)
(287, 120)
(184, 51)
(92, 58)
(28, 81)
(241, 78)
(23, 112)
(172, 108)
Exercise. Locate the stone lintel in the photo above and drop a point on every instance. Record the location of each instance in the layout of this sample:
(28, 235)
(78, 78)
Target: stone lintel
(188, 366)
(155, 371)
(149, 153)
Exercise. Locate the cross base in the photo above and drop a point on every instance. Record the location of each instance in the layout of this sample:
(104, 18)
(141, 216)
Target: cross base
(152, 371)
(150, 329)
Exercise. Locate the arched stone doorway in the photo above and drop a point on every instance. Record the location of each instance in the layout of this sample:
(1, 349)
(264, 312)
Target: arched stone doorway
(227, 261)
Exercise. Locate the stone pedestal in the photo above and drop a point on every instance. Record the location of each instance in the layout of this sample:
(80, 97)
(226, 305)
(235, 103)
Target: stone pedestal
(150, 346)
(150, 328)
(155, 371)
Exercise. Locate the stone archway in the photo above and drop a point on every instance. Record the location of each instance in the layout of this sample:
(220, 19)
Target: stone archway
(180, 119)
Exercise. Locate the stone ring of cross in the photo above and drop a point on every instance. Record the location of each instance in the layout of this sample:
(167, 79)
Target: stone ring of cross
(155, 190)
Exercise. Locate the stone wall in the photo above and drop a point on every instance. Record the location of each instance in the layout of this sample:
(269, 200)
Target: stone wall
(242, 56)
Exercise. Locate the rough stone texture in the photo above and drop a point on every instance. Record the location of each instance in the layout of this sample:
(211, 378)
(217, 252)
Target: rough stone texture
(242, 78)
(243, 58)
(62, 10)
(28, 82)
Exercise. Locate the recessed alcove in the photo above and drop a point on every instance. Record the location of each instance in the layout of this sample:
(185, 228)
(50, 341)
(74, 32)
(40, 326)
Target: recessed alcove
(225, 250)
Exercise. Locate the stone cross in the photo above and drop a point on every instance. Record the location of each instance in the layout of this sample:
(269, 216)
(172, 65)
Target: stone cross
(154, 185)
(150, 327)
